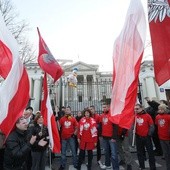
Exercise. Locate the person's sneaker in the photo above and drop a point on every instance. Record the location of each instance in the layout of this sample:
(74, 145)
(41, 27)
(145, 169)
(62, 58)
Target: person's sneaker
(122, 162)
(105, 167)
(157, 153)
(61, 168)
(99, 163)
(76, 166)
(129, 167)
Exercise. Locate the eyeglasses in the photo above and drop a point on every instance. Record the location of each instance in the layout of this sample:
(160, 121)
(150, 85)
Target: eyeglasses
(137, 108)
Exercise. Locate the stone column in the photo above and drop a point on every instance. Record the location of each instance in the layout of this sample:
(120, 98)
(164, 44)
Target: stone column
(57, 95)
(99, 89)
(150, 87)
(85, 88)
(94, 88)
(75, 94)
(37, 93)
(63, 91)
(66, 90)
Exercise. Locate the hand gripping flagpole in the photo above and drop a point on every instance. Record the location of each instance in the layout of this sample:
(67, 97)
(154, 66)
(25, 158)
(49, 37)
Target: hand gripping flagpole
(134, 133)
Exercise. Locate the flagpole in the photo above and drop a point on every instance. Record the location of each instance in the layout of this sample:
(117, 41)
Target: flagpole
(134, 132)
(50, 157)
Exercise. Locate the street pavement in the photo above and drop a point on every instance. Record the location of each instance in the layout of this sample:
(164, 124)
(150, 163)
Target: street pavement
(160, 163)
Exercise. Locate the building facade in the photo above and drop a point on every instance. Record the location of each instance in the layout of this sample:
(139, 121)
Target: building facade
(93, 87)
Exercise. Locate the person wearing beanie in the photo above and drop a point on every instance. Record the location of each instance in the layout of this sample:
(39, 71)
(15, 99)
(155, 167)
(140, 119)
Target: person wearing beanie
(38, 149)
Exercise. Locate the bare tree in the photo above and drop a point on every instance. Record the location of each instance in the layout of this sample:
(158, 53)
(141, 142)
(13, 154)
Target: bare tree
(19, 30)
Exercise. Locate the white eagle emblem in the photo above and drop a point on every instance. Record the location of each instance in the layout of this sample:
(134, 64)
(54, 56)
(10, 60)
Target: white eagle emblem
(161, 122)
(158, 10)
(67, 124)
(139, 121)
(48, 58)
(105, 120)
(86, 126)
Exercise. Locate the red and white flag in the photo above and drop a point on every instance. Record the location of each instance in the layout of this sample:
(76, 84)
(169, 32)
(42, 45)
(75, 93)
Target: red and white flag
(127, 56)
(159, 23)
(46, 60)
(5, 61)
(14, 90)
(49, 118)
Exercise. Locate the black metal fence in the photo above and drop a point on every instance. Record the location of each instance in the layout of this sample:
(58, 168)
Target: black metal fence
(87, 94)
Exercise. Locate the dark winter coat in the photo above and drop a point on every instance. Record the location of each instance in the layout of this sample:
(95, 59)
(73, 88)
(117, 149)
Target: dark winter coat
(16, 150)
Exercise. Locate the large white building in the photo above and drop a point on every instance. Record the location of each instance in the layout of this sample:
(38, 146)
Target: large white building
(149, 87)
(93, 86)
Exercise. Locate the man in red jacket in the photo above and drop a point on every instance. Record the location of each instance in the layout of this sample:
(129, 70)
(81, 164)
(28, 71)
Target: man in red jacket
(144, 131)
(109, 134)
(69, 127)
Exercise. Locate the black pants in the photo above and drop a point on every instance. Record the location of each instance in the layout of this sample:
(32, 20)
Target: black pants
(21, 167)
(29, 161)
(141, 143)
(1, 158)
(98, 150)
(38, 160)
(82, 156)
(156, 141)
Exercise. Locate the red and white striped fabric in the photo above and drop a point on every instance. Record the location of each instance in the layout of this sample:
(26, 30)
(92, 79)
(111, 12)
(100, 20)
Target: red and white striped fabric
(49, 118)
(159, 24)
(127, 56)
(14, 91)
(47, 61)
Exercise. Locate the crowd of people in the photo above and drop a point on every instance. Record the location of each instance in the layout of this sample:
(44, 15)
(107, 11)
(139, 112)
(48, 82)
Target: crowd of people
(26, 146)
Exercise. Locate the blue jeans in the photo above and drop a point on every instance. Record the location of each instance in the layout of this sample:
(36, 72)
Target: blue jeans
(111, 154)
(71, 142)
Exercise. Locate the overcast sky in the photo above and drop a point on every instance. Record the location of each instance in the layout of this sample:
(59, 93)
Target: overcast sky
(82, 30)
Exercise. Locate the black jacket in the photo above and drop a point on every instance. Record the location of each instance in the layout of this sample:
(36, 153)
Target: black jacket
(40, 132)
(16, 150)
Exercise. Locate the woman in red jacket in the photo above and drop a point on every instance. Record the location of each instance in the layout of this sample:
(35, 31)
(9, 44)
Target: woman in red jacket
(87, 138)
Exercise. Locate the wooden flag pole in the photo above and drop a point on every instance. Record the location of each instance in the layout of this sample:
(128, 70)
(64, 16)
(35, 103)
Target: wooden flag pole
(134, 133)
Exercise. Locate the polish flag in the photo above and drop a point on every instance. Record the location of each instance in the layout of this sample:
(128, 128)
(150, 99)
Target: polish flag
(127, 56)
(14, 90)
(159, 23)
(46, 60)
(5, 61)
(49, 119)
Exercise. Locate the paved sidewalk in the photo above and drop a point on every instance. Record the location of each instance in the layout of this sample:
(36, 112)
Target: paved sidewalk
(160, 164)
